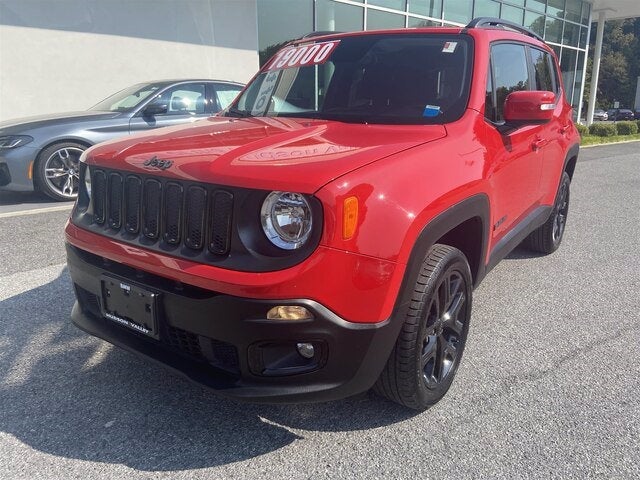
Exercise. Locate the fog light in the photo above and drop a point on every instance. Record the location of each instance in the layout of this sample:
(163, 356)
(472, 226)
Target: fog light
(289, 312)
(306, 350)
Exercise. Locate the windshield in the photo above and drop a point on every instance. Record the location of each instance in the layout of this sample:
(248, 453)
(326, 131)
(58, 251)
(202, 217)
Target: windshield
(127, 99)
(391, 78)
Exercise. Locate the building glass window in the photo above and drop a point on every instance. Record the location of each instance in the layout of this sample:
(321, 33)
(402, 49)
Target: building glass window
(555, 8)
(338, 17)
(537, 5)
(280, 21)
(584, 32)
(377, 20)
(568, 68)
(586, 10)
(553, 31)
(457, 11)
(428, 8)
(513, 14)
(421, 22)
(573, 10)
(486, 8)
(535, 22)
(578, 80)
(517, 2)
(571, 34)
(393, 4)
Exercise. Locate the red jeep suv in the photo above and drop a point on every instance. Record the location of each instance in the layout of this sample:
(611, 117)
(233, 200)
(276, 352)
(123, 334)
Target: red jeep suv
(324, 234)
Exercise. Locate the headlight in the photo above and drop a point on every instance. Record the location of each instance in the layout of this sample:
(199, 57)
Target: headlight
(286, 219)
(14, 141)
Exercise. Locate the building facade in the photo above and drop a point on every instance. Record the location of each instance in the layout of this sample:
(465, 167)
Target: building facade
(67, 55)
(564, 24)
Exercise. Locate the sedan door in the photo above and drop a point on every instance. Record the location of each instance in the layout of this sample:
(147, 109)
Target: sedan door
(182, 103)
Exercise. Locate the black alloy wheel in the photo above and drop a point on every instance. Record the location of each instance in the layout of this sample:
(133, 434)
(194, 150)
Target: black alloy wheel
(428, 351)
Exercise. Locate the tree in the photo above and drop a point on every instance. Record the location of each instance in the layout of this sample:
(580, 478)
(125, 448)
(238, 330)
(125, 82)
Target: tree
(619, 66)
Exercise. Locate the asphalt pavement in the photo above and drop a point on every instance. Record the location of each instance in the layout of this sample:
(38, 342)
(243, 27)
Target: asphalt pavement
(549, 386)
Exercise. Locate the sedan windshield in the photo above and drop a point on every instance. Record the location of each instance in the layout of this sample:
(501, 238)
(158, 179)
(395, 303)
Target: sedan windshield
(127, 99)
(391, 78)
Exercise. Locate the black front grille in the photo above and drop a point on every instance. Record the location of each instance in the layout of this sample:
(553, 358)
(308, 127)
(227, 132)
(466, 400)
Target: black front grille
(167, 214)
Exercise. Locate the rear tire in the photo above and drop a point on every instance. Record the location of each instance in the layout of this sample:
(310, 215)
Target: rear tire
(547, 237)
(428, 350)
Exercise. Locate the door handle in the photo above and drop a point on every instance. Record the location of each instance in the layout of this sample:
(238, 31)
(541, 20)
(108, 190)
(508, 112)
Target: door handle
(539, 143)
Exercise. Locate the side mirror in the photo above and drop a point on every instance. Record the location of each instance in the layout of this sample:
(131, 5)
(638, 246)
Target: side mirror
(155, 109)
(529, 108)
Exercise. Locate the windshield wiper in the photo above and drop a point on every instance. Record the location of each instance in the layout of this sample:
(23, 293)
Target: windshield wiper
(235, 112)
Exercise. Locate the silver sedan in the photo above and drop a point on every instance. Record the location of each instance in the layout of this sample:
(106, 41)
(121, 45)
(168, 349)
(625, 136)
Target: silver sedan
(41, 153)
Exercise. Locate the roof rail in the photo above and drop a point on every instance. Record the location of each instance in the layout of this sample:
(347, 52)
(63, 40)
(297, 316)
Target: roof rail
(318, 34)
(481, 22)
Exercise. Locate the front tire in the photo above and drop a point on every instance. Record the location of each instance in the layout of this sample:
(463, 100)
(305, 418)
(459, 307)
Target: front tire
(424, 361)
(56, 170)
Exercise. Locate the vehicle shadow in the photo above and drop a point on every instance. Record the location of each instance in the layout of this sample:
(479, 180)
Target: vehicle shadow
(71, 395)
(19, 198)
(522, 253)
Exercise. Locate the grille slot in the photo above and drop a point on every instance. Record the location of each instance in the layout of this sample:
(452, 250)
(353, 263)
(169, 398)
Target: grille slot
(220, 231)
(133, 193)
(152, 203)
(163, 214)
(99, 190)
(115, 201)
(173, 213)
(196, 209)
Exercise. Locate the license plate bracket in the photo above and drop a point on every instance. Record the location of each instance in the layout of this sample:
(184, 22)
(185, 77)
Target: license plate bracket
(130, 305)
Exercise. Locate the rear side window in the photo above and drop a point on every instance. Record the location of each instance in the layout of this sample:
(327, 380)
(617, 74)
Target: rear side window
(510, 74)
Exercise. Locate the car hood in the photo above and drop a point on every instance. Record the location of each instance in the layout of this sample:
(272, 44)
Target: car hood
(19, 125)
(263, 153)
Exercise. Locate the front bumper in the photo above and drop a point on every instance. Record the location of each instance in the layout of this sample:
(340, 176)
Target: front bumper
(227, 344)
(14, 168)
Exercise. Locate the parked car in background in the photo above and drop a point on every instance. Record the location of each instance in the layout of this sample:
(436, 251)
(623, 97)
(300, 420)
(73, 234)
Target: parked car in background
(636, 114)
(600, 115)
(42, 152)
(618, 114)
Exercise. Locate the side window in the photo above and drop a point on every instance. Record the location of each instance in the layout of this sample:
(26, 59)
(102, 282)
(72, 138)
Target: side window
(510, 73)
(187, 99)
(225, 94)
(489, 102)
(542, 66)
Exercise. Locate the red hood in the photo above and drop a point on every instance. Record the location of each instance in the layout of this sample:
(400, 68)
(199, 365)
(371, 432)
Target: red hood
(263, 153)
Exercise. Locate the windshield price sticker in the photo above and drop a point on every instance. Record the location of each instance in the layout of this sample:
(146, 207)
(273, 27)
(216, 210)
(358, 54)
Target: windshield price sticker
(305, 55)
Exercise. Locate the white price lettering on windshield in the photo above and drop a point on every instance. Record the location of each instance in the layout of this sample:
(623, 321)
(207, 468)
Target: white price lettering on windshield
(292, 57)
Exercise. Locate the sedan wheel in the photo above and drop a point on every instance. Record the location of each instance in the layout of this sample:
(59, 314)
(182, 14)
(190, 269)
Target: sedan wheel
(57, 170)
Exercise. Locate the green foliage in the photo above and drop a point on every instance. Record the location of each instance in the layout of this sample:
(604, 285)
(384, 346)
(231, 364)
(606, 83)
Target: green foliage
(638, 123)
(582, 129)
(627, 128)
(619, 66)
(603, 129)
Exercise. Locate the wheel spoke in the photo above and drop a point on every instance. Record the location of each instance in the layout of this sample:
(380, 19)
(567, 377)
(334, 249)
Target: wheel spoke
(429, 350)
(67, 188)
(55, 172)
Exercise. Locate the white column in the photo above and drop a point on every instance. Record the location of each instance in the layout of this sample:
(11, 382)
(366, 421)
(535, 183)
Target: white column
(595, 72)
(584, 69)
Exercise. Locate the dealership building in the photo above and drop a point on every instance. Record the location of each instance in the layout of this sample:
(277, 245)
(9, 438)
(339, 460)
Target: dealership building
(69, 54)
